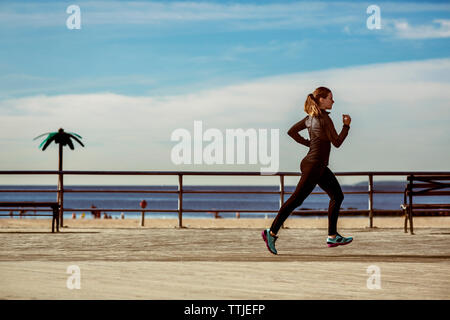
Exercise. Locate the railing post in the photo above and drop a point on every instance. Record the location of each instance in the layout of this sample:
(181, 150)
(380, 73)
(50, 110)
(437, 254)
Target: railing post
(370, 200)
(281, 189)
(281, 193)
(180, 200)
(60, 199)
(142, 218)
(143, 205)
(410, 211)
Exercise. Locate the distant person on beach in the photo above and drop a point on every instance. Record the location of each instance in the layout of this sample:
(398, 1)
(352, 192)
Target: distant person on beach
(216, 215)
(95, 213)
(314, 166)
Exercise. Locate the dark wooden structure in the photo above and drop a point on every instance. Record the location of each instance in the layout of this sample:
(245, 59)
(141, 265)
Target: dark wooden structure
(22, 205)
(424, 185)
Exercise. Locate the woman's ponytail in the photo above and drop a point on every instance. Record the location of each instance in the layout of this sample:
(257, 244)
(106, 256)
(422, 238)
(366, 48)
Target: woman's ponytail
(312, 105)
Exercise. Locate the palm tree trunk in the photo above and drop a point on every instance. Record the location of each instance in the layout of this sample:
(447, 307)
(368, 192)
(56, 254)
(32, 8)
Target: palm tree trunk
(60, 186)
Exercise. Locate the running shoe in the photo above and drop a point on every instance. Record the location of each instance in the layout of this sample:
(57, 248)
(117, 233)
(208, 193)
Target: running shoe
(338, 241)
(269, 240)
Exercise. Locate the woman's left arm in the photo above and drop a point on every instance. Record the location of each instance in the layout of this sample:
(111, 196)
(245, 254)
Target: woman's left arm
(293, 132)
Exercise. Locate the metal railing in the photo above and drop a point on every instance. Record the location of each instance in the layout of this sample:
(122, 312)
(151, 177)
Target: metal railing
(181, 190)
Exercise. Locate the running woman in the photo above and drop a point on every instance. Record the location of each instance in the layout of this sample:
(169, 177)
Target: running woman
(314, 166)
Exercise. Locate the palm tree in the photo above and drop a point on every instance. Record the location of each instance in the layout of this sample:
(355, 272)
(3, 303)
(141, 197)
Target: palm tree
(61, 138)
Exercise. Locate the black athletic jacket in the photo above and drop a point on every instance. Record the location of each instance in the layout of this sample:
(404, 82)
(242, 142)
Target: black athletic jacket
(321, 133)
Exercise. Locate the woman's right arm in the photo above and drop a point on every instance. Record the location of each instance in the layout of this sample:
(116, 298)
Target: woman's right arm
(293, 132)
(335, 138)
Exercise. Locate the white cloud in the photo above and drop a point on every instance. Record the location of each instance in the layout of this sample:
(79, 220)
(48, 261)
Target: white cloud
(400, 115)
(439, 29)
(413, 7)
(27, 85)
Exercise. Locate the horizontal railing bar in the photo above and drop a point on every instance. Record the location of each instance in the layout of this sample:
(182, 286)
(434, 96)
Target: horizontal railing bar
(24, 209)
(175, 191)
(302, 210)
(27, 204)
(438, 174)
(431, 210)
(388, 210)
(430, 185)
(184, 191)
(384, 191)
(20, 172)
(430, 177)
(431, 205)
(118, 191)
(89, 210)
(228, 211)
(345, 192)
(431, 193)
(325, 211)
(213, 173)
(379, 211)
(365, 211)
(26, 190)
(230, 191)
(25, 215)
(271, 192)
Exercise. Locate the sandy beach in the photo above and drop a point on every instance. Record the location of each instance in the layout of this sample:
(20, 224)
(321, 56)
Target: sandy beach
(224, 259)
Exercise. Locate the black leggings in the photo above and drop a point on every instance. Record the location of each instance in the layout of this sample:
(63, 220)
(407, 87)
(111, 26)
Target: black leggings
(313, 173)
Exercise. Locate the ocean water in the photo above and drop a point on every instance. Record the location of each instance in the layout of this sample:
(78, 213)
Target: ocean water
(213, 202)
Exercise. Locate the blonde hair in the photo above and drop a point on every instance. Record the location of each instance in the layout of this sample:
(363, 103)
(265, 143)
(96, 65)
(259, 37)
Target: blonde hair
(312, 101)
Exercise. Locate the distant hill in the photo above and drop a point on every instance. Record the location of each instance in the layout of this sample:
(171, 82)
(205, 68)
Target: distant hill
(384, 184)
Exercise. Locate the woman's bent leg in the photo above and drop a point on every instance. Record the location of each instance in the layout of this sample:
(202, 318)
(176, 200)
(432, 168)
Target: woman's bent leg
(308, 181)
(331, 186)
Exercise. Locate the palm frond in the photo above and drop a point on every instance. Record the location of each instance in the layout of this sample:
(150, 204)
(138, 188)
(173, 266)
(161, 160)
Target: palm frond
(41, 135)
(75, 134)
(51, 135)
(49, 140)
(77, 140)
(70, 143)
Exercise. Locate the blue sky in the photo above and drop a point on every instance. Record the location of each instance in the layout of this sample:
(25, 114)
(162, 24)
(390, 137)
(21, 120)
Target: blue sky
(158, 48)
(166, 59)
